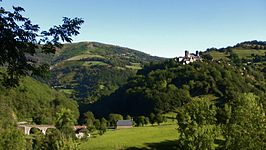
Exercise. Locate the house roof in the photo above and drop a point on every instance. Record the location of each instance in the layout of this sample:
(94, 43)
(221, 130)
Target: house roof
(124, 123)
(79, 127)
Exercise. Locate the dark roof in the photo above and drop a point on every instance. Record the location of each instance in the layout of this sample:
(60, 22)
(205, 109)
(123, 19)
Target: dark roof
(124, 123)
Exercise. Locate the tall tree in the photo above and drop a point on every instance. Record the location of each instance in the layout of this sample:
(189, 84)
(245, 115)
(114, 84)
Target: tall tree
(65, 121)
(89, 120)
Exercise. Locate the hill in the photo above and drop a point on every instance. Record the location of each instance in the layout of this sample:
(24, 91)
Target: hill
(87, 71)
(165, 86)
(32, 101)
(252, 51)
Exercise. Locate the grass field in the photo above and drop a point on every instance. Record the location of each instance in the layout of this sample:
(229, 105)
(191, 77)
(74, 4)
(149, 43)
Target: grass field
(242, 53)
(218, 55)
(150, 137)
(247, 53)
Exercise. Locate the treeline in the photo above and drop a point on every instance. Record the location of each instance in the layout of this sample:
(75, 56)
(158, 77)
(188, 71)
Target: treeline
(110, 121)
(255, 45)
(251, 45)
(238, 124)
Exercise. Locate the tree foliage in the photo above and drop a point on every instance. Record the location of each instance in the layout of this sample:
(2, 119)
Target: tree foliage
(163, 87)
(65, 121)
(197, 125)
(246, 124)
(19, 40)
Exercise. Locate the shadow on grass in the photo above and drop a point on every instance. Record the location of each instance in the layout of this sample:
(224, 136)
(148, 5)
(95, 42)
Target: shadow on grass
(165, 145)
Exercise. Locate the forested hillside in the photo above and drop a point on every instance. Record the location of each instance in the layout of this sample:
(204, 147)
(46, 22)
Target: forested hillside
(164, 87)
(33, 102)
(87, 71)
(220, 102)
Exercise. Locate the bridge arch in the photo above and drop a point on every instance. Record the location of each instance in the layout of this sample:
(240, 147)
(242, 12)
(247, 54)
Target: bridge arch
(27, 128)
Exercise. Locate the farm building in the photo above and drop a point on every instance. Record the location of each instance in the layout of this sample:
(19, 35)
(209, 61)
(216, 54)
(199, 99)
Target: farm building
(121, 124)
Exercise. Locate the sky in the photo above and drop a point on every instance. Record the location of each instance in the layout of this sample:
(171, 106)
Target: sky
(163, 28)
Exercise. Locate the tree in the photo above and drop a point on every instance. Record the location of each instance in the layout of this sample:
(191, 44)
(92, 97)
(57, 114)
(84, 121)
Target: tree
(152, 118)
(89, 120)
(97, 124)
(103, 126)
(55, 140)
(12, 138)
(246, 124)
(197, 125)
(207, 56)
(128, 117)
(20, 39)
(159, 118)
(146, 121)
(65, 121)
(113, 118)
(140, 121)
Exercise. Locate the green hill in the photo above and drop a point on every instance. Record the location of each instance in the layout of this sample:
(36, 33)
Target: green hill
(88, 71)
(32, 101)
(163, 87)
(166, 86)
(252, 51)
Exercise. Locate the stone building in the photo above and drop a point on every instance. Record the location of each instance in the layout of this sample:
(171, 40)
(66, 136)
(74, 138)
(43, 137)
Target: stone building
(188, 58)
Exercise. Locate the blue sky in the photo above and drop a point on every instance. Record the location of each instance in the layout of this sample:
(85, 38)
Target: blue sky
(159, 27)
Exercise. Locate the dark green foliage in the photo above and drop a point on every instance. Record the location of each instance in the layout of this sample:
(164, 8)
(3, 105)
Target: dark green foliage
(159, 118)
(103, 126)
(93, 70)
(97, 124)
(152, 118)
(113, 118)
(19, 40)
(89, 120)
(128, 117)
(140, 121)
(146, 120)
(163, 87)
(252, 44)
(206, 56)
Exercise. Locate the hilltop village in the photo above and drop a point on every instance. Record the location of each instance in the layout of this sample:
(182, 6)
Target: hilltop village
(188, 58)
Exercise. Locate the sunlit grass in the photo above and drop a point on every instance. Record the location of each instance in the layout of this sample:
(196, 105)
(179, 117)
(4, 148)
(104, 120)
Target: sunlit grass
(134, 137)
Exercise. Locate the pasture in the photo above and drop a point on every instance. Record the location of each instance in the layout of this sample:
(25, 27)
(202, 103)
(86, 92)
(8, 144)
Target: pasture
(148, 137)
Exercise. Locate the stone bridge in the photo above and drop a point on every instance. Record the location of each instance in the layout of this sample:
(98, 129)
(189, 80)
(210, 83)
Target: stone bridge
(26, 128)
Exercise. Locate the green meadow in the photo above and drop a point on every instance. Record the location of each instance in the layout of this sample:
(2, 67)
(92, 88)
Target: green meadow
(242, 53)
(148, 137)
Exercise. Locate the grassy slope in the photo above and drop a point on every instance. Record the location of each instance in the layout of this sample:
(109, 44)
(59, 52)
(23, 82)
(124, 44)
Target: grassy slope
(137, 137)
(242, 53)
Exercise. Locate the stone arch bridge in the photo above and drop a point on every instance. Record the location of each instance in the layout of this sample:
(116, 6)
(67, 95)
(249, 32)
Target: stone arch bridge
(26, 128)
